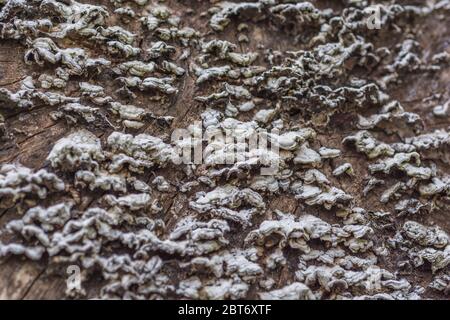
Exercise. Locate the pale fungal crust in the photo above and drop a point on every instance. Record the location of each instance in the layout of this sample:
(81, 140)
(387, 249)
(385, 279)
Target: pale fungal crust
(424, 244)
(18, 183)
(222, 201)
(295, 291)
(346, 200)
(344, 168)
(141, 149)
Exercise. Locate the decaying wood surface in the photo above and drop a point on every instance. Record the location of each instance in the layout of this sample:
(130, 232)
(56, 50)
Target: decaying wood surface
(33, 132)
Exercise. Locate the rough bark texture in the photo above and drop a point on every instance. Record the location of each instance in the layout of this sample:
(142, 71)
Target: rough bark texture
(407, 62)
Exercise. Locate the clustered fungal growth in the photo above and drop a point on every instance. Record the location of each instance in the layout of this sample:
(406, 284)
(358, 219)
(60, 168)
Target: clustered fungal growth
(356, 124)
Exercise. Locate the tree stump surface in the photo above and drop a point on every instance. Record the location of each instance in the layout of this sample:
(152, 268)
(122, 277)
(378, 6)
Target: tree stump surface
(32, 132)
